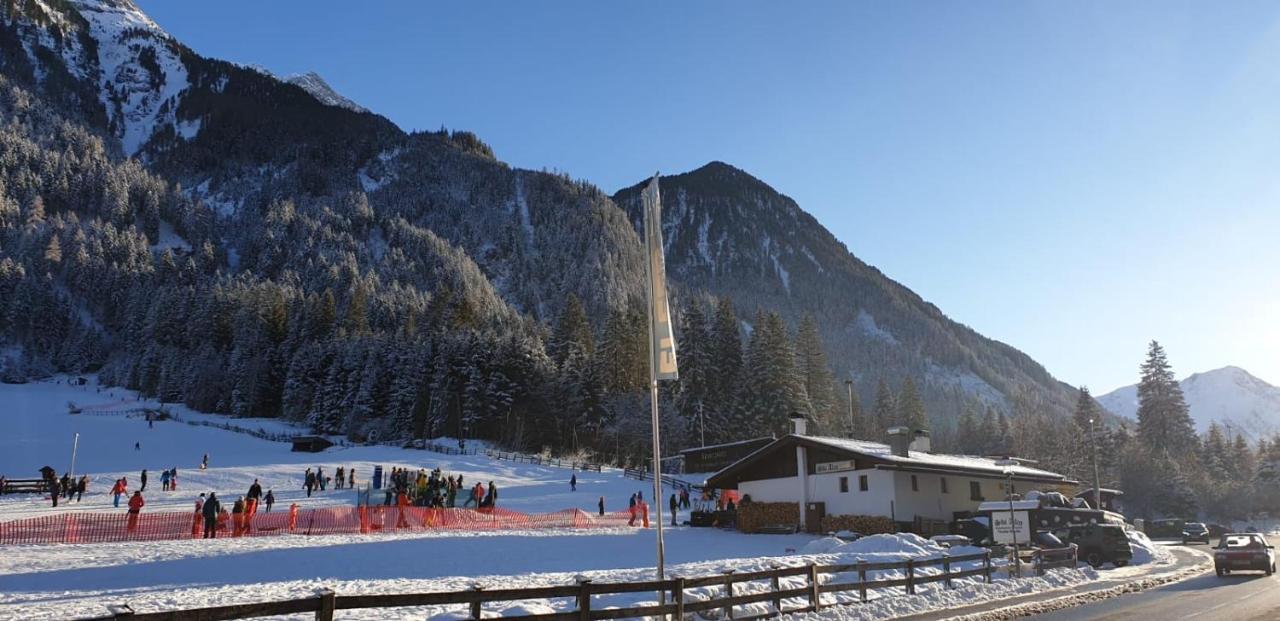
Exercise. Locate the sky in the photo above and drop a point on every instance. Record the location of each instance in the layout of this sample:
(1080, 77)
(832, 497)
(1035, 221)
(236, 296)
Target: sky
(1074, 179)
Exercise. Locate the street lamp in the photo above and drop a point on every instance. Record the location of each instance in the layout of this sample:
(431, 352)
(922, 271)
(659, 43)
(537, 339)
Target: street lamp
(1006, 466)
(848, 384)
(1097, 480)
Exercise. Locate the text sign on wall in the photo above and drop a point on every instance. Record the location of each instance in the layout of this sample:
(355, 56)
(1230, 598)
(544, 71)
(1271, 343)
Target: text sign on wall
(1003, 529)
(834, 466)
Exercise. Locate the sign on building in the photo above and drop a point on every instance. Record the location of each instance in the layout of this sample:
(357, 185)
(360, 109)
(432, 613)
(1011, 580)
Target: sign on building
(834, 466)
(1003, 529)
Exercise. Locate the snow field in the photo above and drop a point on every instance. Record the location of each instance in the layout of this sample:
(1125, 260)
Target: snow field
(75, 581)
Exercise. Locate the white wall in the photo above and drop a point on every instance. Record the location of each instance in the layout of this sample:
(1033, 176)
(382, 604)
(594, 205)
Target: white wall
(875, 501)
(786, 489)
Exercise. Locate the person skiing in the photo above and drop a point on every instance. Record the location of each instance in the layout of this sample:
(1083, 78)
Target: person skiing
(55, 490)
(351, 478)
(674, 506)
(116, 491)
(135, 507)
(204, 463)
(173, 479)
(197, 517)
(320, 477)
(81, 486)
(309, 482)
(631, 508)
(164, 481)
(270, 499)
(491, 500)
(402, 501)
(338, 478)
(573, 483)
(137, 446)
(601, 506)
(210, 512)
(237, 517)
(143, 487)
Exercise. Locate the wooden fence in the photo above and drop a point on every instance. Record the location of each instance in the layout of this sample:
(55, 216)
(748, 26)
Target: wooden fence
(645, 475)
(805, 598)
(539, 460)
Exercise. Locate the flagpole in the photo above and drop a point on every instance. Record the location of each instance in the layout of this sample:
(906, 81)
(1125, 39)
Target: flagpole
(653, 404)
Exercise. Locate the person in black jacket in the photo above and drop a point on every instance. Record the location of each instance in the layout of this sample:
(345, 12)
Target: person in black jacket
(255, 491)
(144, 482)
(675, 506)
(211, 509)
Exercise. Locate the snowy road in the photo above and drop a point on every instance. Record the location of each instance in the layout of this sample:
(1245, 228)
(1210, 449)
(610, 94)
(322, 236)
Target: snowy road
(1239, 597)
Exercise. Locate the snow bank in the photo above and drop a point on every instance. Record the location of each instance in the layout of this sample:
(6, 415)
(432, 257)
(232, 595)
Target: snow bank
(1144, 551)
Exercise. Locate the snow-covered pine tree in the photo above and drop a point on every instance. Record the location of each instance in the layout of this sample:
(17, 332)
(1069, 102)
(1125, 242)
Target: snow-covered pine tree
(1164, 421)
(819, 384)
(910, 407)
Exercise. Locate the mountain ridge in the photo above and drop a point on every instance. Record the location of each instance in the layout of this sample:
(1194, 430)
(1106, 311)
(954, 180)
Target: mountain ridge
(1230, 396)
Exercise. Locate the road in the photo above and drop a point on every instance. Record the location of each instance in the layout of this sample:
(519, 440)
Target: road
(1249, 596)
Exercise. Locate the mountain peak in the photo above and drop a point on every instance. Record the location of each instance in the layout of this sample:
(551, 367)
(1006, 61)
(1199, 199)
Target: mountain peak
(1230, 396)
(320, 89)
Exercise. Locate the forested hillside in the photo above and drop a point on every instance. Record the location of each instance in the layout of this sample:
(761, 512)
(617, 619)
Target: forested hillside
(213, 235)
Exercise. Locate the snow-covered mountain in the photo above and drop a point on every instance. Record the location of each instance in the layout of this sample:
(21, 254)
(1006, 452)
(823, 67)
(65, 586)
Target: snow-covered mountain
(316, 85)
(1230, 395)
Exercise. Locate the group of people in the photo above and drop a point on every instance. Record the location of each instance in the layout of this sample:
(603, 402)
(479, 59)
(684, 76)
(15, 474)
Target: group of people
(168, 480)
(318, 481)
(211, 516)
(436, 490)
(65, 488)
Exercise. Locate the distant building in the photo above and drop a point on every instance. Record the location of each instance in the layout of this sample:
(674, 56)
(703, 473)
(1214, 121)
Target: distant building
(716, 457)
(310, 444)
(901, 480)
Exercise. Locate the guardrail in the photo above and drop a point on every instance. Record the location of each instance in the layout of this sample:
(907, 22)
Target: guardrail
(804, 598)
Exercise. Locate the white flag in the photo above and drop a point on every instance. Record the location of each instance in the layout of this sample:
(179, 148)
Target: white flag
(664, 342)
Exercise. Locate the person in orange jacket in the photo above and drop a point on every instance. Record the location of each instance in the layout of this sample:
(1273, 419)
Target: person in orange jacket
(117, 491)
(402, 501)
(293, 516)
(135, 507)
(250, 510)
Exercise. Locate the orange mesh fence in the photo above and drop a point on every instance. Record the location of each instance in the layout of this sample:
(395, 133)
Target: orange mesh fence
(160, 526)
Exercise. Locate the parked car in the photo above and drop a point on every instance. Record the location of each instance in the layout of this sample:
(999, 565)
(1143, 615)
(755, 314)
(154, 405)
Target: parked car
(1099, 543)
(1195, 531)
(1244, 551)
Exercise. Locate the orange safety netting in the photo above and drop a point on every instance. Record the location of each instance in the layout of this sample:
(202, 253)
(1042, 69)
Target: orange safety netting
(107, 527)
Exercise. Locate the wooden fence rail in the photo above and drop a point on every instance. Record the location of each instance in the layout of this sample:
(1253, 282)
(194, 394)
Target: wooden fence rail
(809, 596)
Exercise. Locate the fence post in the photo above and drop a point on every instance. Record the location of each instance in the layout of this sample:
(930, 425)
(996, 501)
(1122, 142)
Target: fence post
(814, 595)
(911, 576)
(678, 596)
(986, 565)
(475, 606)
(946, 568)
(327, 604)
(584, 600)
(728, 590)
(1037, 559)
(862, 580)
(773, 581)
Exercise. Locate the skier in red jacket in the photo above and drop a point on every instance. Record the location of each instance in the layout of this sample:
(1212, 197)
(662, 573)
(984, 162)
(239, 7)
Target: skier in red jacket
(135, 507)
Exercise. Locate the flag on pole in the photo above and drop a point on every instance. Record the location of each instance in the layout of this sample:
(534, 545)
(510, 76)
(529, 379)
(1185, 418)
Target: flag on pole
(664, 342)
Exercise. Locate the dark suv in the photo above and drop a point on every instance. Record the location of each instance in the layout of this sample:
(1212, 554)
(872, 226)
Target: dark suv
(1099, 543)
(1195, 531)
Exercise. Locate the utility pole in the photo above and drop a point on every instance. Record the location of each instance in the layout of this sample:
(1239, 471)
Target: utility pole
(1097, 479)
(848, 384)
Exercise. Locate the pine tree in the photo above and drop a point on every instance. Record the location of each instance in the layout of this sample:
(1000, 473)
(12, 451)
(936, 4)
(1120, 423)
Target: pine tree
(910, 407)
(1164, 422)
(722, 409)
(818, 382)
(968, 434)
(573, 333)
(885, 411)
(695, 360)
(1086, 412)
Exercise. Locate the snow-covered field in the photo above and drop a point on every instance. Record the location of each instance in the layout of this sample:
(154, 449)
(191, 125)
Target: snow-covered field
(70, 581)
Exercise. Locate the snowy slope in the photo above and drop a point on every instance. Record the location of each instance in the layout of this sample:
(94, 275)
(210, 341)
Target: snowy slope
(1230, 395)
(139, 88)
(320, 89)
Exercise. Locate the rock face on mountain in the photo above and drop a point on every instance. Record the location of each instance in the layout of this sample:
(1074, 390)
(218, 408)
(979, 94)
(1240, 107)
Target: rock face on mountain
(212, 233)
(730, 234)
(320, 89)
(1229, 396)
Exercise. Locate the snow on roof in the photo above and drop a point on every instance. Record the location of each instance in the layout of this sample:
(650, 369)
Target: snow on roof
(932, 460)
(726, 444)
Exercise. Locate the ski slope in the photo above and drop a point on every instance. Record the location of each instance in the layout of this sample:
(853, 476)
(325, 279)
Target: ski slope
(80, 580)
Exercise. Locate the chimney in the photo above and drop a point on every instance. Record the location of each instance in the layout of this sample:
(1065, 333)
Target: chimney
(798, 424)
(921, 442)
(899, 440)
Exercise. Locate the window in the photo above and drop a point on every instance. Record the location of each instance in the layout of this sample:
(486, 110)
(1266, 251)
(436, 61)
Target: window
(975, 490)
(915, 483)
(862, 482)
(944, 485)
(844, 485)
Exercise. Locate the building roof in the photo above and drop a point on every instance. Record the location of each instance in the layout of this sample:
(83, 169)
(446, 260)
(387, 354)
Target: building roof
(710, 447)
(882, 455)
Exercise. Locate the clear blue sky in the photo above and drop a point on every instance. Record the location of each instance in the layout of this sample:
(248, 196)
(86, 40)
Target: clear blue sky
(1074, 179)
